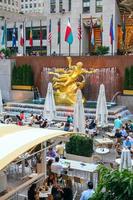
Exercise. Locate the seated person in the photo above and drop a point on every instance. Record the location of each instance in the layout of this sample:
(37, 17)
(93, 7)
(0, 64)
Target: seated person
(87, 194)
(60, 149)
(70, 119)
(51, 153)
(127, 143)
(32, 192)
(22, 115)
(49, 163)
(56, 192)
(123, 132)
(44, 124)
(19, 120)
(67, 126)
(56, 166)
(67, 192)
(50, 180)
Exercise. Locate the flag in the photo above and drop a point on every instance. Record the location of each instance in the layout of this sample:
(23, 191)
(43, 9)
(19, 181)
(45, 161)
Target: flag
(68, 33)
(79, 29)
(111, 31)
(92, 33)
(123, 28)
(59, 31)
(14, 36)
(4, 34)
(101, 27)
(92, 37)
(31, 37)
(41, 34)
(49, 33)
(22, 35)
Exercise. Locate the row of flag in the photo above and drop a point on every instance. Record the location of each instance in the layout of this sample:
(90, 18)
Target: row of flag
(68, 32)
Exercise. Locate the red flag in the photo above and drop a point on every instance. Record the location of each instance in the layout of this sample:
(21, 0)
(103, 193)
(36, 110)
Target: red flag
(31, 37)
(22, 36)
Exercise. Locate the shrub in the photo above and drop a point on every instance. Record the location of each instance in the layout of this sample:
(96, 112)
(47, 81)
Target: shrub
(114, 185)
(22, 75)
(101, 50)
(80, 145)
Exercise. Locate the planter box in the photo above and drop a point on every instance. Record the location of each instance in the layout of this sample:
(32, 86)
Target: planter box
(78, 158)
(128, 92)
(22, 87)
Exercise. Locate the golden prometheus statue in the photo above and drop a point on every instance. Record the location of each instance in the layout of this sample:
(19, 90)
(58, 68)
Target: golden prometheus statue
(66, 82)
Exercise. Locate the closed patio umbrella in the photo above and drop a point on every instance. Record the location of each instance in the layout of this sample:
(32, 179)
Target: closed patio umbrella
(125, 162)
(79, 115)
(101, 109)
(1, 104)
(49, 106)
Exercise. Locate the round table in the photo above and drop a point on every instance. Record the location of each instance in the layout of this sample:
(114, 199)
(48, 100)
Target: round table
(102, 151)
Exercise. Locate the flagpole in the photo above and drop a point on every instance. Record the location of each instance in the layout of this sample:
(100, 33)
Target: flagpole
(5, 34)
(60, 37)
(80, 36)
(24, 39)
(41, 36)
(112, 40)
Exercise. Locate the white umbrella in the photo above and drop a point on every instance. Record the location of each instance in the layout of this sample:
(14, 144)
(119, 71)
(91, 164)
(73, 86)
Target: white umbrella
(1, 104)
(125, 162)
(79, 115)
(101, 109)
(49, 106)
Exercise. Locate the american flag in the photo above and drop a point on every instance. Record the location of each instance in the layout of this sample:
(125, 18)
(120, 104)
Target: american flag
(79, 29)
(49, 33)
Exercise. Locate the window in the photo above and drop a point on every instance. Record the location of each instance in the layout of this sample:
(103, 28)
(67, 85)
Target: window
(69, 5)
(4, 1)
(36, 33)
(30, 5)
(22, 6)
(9, 34)
(99, 6)
(34, 5)
(26, 5)
(52, 6)
(60, 5)
(86, 6)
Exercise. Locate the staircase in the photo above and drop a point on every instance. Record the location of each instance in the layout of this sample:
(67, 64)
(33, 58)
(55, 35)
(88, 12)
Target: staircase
(61, 111)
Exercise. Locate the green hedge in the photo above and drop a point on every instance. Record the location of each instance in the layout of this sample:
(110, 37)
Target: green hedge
(80, 145)
(22, 75)
(128, 79)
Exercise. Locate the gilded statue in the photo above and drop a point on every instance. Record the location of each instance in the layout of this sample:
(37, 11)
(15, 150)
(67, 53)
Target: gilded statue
(67, 81)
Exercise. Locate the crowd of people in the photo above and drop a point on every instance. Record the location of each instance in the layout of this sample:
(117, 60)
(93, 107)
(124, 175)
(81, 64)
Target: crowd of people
(124, 135)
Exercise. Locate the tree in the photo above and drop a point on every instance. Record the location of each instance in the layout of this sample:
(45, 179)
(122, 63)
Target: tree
(126, 78)
(114, 185)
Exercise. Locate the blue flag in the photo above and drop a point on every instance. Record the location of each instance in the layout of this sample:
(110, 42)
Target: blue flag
(4, 35)
(111, 31)
(14, 37)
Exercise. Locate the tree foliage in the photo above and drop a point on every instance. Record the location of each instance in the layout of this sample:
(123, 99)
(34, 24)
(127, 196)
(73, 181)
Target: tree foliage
(114, 185)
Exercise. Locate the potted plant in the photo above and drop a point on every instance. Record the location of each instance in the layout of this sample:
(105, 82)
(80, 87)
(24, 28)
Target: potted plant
(128, 81)
(114, 185)
(22, 78)
(79, 148)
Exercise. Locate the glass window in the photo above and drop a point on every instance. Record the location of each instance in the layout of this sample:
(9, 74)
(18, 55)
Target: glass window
(86, 6)
(22, 6)
(30, 5)
(60, 5)
(26, 5)
(9, 34)
(99, 5)
(69, 5)
(52, 6)
(35, 5)
(36, 33)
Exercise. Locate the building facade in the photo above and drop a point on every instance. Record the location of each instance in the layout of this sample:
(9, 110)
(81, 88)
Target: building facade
(96, 12)
(10, 5)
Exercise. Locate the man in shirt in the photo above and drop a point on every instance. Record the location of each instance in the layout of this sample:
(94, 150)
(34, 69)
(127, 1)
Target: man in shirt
(60, 149)
(87, 194)
(118, 123)
(56, 167)
(127, 143)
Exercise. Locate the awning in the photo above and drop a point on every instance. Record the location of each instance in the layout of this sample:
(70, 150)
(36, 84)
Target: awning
(16, 140)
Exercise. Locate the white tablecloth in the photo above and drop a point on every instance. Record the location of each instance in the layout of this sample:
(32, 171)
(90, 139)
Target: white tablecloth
(102, 150)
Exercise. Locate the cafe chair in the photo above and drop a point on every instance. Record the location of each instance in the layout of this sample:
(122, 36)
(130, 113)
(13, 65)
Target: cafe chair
(78, 183)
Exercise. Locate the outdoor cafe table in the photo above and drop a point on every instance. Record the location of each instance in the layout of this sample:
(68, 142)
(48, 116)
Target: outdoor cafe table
(79, 167)
(118, 161)
(103, 141)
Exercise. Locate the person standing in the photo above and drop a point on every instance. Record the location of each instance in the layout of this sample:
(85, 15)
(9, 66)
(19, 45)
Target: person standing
(118, 123)
(87, 194)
